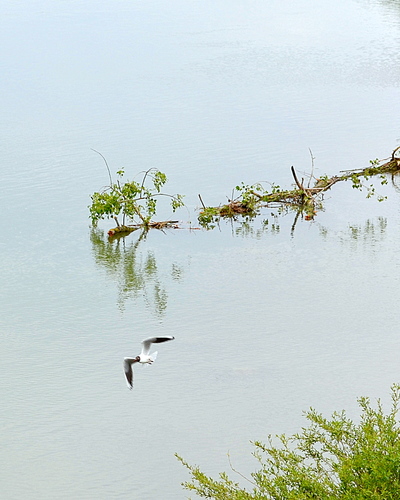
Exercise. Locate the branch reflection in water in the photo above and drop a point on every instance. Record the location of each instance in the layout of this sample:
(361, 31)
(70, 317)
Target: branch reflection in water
(369, 233)
(134, 269)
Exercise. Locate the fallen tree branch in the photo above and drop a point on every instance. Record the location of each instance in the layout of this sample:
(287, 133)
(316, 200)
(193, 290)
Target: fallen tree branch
(303, 200)
(122, 229)
(300, 186)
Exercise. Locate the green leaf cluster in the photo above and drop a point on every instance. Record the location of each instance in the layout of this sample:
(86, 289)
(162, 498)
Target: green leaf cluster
(208, 217)
(251, 194)
(132, 199)
(333, 458)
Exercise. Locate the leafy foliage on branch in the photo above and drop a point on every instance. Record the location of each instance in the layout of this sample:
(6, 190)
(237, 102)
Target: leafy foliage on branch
(131, 199)
(334, 458)
(302, 199)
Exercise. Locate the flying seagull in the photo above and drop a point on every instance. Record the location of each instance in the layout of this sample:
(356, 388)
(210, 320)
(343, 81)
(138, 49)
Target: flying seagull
(143, 358)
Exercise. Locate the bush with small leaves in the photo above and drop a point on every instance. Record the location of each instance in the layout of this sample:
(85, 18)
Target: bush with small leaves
(132, 199)
(331, 459)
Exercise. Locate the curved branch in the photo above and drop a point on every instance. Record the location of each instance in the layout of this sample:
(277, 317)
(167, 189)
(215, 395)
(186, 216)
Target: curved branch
(105, 161)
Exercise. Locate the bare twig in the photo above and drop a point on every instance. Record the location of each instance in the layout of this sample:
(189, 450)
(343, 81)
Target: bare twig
(312, 167)
(237, 472)
(394, 152)
(144, 177)
(299, 185)
(201, 201)
(105, 161)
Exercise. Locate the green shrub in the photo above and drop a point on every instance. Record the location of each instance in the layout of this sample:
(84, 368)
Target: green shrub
(131, 199)
(332, 458)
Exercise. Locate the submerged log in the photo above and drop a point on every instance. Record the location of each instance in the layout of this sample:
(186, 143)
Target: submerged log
(120, 230)
(303, 199)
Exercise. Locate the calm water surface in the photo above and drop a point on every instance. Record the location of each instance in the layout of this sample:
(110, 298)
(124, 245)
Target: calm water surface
(268, 321)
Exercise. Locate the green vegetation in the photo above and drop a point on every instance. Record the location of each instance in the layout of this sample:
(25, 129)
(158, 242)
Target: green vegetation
(303, 199)
(333, 458)
(136, 201)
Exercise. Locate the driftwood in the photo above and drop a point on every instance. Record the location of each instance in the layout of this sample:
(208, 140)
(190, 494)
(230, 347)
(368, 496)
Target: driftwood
(122, 229)
(303, 199)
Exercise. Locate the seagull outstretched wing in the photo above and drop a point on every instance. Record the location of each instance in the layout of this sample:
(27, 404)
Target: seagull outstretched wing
(128, 362)
(153, 340)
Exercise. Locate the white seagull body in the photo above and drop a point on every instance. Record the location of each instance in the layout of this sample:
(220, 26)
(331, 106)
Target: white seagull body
(144, 357)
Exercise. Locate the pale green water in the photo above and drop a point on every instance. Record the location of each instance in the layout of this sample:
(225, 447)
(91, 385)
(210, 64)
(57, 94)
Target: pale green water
(267, 322)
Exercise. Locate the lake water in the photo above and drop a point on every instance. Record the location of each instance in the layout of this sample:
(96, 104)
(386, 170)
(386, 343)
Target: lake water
(268, 321)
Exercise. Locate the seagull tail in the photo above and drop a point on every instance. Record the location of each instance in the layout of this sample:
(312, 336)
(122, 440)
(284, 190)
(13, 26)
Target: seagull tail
(154, 356)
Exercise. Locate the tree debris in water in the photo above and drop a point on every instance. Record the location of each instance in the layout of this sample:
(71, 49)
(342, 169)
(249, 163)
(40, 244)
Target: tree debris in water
(303, 199)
